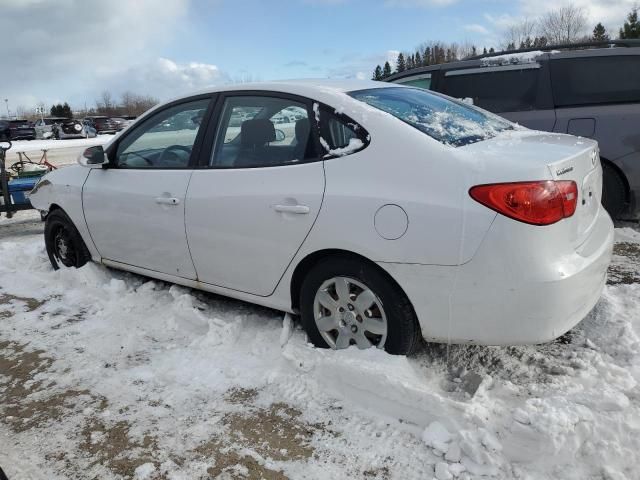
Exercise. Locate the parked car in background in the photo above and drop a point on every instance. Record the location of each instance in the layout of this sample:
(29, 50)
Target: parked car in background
(376, 228)
(123, 122)
(58, 128)
(101, 124)
(22, 130)
(5, 131)
(593, 93)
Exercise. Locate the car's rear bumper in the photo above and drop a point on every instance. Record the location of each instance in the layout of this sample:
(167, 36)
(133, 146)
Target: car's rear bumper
(510, 294)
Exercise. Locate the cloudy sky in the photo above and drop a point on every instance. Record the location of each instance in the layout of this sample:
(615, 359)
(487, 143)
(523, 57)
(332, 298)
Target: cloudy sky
(71, 50)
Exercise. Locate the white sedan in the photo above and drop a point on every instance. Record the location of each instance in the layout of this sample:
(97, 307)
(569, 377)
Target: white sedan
(385, 215)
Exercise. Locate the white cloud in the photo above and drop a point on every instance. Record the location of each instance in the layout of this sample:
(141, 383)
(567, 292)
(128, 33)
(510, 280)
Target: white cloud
(476, 28)
(65, 49)
(165, 78)
(610, 12)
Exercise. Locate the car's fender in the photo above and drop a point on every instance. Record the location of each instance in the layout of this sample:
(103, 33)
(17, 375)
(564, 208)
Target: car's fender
(62, 188)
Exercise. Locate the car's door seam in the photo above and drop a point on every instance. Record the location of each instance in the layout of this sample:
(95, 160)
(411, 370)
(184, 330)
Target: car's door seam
(84, 215)
(184, 220)
(324, 190)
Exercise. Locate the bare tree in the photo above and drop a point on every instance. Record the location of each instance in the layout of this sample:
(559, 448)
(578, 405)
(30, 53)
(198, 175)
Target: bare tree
(520, 34)
(105, 104)
(564, 25)
(21, 112)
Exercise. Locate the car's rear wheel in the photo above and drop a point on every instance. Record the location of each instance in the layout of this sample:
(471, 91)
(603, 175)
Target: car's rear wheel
(614, 191)
(345, 301)
(64, 244)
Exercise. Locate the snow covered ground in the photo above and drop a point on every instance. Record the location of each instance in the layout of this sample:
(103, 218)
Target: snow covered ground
(106, 374)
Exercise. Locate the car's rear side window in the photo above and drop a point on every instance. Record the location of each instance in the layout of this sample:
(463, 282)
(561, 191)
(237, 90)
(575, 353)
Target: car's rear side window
(447, 121)
(339, 135)
(596, 80)
(497, 90)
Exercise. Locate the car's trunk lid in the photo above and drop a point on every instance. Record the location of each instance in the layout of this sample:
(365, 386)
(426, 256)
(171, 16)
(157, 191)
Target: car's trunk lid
(546, 155)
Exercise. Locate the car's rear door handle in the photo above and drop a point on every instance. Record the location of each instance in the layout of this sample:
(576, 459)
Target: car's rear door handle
(167, 200)
(299, 209)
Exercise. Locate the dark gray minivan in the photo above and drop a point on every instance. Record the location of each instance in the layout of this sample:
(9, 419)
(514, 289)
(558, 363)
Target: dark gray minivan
(589, 92)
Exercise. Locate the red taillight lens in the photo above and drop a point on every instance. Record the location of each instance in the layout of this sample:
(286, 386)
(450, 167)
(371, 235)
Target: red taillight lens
(538, 203)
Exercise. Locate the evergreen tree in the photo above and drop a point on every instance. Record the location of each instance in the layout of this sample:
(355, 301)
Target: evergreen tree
(474, 51)
(631, 28)
(65, 111)
(377, 73)
(600, 33)
(426, 58)
(386, 71)
(484, 51)
(418, 59)
(492, 50)
(401, 65)
(511, 46)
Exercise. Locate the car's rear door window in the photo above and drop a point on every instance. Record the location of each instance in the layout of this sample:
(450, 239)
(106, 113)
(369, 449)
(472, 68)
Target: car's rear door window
(262, 131)
(595, 80)
(497, 89)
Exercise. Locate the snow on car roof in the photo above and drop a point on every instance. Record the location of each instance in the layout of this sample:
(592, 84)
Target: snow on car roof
(515, 58)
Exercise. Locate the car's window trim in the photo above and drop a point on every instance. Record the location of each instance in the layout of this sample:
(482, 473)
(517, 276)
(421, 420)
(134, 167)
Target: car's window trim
(492, 69)
(210, 139)
(197, 145)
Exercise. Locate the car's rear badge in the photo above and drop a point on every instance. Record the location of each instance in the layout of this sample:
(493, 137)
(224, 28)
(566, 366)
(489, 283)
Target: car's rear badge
(562, 171)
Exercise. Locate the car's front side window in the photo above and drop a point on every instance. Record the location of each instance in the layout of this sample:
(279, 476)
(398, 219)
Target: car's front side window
(262, 131)
(165, 140)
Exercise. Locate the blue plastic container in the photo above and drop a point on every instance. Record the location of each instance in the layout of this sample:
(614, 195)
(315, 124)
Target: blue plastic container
(20, 188)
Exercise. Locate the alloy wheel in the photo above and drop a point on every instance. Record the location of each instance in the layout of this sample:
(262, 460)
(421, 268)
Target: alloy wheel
(347, 312)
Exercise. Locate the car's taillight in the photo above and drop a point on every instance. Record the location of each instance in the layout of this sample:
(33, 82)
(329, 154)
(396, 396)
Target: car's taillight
(538, 203)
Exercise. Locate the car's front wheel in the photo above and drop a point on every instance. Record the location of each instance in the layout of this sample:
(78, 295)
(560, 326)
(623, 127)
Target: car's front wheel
(346, 301)
(64, 244)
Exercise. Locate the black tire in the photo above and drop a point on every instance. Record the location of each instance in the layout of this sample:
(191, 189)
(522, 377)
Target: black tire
(614, 191)
(65, 246)
(403, 330)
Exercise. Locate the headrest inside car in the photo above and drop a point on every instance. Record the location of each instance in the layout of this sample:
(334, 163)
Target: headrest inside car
(302, 129)
(257, 132)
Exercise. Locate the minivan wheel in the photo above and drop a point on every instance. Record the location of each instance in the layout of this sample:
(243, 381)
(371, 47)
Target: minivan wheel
(64, 244)
(613, 191)
(345, 301)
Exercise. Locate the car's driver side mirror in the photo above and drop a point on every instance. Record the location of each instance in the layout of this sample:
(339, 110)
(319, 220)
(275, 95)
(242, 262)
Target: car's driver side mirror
(93, 156)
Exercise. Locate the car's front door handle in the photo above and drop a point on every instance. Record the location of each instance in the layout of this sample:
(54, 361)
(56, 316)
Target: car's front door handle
(299, 209)
(167, 200)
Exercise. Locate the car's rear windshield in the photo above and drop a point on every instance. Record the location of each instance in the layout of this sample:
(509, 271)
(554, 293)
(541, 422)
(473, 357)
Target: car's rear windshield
(447, 121)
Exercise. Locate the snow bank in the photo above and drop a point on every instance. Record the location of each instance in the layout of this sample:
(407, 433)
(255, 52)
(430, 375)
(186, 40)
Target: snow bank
(165, 358)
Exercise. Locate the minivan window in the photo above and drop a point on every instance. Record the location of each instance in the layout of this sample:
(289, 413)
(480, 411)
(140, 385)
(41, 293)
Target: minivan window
(496, 90)
(420, 81)
(596, 80)
(445, 120)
